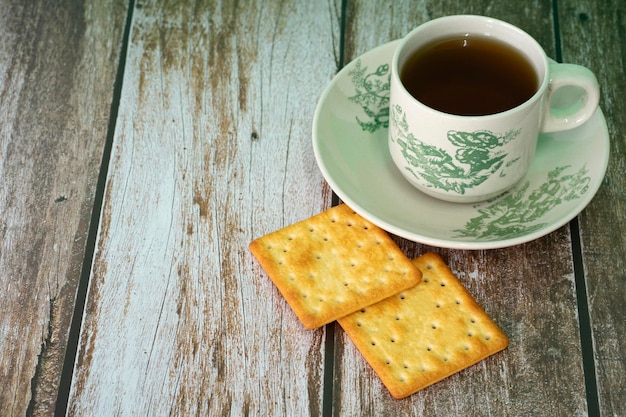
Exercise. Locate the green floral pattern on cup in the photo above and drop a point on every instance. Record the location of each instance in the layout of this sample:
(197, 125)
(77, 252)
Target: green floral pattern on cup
(372, 94)
(477, 156)
(516, 213)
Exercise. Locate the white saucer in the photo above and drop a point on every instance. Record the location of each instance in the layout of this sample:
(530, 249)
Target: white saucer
(350, 144)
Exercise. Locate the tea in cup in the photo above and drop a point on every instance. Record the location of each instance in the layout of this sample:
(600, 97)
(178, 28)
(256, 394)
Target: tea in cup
(469, 96)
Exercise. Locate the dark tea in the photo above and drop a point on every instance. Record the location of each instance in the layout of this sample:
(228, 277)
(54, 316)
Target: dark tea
(471, 76)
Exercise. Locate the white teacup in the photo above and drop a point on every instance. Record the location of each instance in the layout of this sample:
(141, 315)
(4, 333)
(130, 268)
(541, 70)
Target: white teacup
(464, 156)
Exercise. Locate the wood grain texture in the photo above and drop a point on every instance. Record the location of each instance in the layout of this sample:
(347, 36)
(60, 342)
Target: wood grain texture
(212, 149)
(593, 35)
(529, 290)
(57, 69)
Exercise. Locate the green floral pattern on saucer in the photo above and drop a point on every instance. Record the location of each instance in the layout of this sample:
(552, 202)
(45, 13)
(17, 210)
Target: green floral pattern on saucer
(516, 213)
(372, 94)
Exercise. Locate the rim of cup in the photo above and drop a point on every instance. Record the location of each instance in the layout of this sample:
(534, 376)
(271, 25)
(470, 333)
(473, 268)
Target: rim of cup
(473, 25)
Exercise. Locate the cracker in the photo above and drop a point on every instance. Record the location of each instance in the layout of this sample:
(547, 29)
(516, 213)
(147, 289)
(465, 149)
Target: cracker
(333, 264)
(426, 333)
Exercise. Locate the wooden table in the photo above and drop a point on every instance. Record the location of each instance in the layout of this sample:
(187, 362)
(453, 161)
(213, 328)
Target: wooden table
(144, 144)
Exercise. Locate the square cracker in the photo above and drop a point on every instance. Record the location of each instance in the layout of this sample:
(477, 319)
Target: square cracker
(333, 264)
(426, 333)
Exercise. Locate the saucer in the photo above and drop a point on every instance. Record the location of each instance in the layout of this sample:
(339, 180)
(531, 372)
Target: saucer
(350, 145)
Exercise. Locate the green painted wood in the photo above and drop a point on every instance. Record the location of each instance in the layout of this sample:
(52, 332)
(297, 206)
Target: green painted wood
(57, 71)
(592, 34)
(212, 149)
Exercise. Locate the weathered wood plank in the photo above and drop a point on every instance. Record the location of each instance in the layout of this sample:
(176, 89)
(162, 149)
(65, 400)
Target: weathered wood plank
(57, 69)
(212, 149)
(529, 290)
(593, 34)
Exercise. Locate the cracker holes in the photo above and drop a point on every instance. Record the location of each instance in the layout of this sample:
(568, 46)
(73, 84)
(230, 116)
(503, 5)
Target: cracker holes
(429, 348)
(438, 305)
(425, 279)
(333, 220)
(433, 326)
(402, 297)
(429, 266)
(487, 337)
(466, 348)
(443, 283)
(458, 302)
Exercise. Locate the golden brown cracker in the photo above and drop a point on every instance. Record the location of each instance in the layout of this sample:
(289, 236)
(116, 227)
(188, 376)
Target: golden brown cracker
(426, 333)
(333, 264)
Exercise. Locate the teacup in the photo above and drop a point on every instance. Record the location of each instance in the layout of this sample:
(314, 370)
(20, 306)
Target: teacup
(469, 96)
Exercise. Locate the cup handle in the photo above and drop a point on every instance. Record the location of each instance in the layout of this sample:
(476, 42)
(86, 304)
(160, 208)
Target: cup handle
(573, 96)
